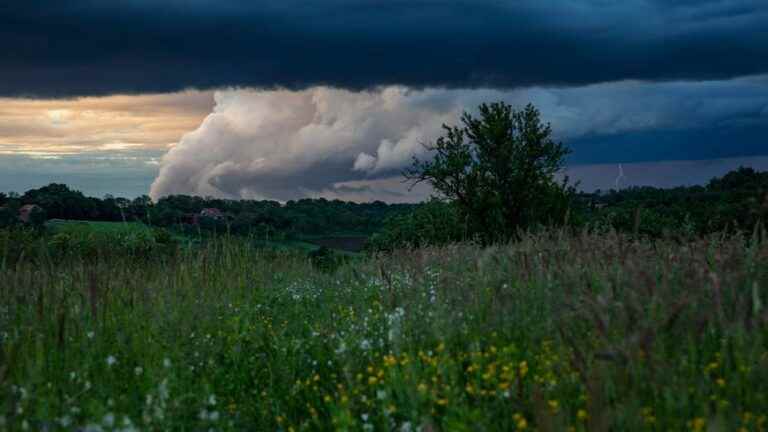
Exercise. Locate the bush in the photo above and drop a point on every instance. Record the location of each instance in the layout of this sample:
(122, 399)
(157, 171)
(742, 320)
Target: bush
(435, 222)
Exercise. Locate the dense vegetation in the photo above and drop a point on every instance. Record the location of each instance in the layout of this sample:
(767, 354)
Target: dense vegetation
(592, 332)
(738, 201)
(498, 171)
(305, 216)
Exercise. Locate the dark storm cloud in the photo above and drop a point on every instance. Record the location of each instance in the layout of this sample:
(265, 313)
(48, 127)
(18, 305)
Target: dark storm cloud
(78, 47)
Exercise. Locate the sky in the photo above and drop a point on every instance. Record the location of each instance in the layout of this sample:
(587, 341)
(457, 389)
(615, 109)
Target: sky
(288, 99)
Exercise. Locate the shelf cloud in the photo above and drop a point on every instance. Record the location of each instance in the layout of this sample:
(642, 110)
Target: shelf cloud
(286, 144)
(56, 48)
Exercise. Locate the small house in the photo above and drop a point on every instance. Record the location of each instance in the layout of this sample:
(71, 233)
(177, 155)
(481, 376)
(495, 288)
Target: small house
(211, 213)
(26, 211)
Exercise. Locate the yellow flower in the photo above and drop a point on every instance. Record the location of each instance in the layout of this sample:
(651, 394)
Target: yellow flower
(697, 424)
(442, 402)
(720, 382)
(372, 380)
(522, 424)
(554, 405)
(422, 388)
(390, 360)
(581, 415)
(523, 366)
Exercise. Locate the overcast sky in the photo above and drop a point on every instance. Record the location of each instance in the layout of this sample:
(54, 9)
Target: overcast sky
(286, 99)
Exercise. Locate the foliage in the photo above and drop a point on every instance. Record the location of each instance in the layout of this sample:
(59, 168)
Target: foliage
(499, 170)
(590, 332)
(267, 219)
(62, 241)
(736, 201)
(8, 217)
(434, 222)
(325, 259)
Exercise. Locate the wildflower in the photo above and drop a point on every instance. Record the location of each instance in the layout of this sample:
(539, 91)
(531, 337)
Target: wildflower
(697, 424)
(581, 414)
(720, 382)
(111, 360)
(166, 363)
(442, 402)
(90, 334)
(523, 366)
(554, 405)
(138, 370)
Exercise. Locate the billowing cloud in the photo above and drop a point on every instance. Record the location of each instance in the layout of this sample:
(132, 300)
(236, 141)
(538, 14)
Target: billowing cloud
(321, 141)
(86, 47)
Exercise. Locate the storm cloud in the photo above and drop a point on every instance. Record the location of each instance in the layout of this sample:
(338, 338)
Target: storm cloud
(323, 141)
(60, 48)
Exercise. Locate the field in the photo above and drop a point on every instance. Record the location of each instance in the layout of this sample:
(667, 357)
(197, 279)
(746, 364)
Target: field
(555, 332)
(98, 228)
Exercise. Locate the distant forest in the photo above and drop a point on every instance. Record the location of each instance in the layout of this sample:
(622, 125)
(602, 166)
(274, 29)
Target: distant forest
(738, 200)
(304, 216)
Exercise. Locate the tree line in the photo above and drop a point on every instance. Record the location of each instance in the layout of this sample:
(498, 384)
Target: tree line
(304, 216)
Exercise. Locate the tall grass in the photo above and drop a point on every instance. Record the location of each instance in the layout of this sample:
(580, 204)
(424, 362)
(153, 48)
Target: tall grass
(590, 332)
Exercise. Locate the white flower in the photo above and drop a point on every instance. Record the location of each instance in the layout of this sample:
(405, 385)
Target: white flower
(342, 348)
(365, 344)
(381, 394)
(406, 427)
(111, 360)
(166, 362)
(90, 334)
(213, 416)
(212, 400)
(364, 416)
(138, 370)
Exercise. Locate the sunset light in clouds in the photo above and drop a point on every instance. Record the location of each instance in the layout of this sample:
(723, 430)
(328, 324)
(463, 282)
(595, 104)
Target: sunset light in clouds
(56, 127)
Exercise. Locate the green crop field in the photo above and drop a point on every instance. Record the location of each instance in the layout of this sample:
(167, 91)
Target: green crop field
(555, 332)
(86, 227)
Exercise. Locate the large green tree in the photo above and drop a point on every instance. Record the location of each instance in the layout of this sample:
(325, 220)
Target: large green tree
(499, 168)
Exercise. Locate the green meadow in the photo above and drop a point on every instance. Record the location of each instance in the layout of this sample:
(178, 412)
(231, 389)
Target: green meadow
(562, 330)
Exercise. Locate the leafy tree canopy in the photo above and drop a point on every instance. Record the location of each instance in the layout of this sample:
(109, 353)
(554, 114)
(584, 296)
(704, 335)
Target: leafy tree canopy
(499, 169)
